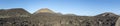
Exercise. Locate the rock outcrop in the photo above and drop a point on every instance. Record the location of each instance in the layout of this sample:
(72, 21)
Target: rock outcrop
(106, 19)
(118, 22)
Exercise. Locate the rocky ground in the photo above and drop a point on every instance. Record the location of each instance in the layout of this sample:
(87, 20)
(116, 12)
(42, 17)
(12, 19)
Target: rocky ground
(23, 18)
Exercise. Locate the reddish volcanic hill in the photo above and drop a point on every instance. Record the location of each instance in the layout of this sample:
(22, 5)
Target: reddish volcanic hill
(44, 10)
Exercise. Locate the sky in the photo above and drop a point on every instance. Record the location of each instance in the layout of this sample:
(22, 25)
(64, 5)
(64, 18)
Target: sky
(78, 7)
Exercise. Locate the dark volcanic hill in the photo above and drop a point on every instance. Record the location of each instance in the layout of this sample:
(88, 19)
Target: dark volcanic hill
(107, 14)
(13, 12)
(106, 19)
(46, 17)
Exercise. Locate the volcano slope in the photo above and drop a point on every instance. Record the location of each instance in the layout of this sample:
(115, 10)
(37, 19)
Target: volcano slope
(50, 18)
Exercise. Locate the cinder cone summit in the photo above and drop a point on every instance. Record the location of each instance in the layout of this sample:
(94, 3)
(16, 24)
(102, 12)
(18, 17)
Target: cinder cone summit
(44, 10)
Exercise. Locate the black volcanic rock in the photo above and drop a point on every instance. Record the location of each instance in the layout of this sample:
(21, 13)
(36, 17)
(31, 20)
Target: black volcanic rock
(106, 19)
(107, 14)
(16, 21)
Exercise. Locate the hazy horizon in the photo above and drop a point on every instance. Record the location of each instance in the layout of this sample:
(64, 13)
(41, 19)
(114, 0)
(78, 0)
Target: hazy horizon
(78, 7)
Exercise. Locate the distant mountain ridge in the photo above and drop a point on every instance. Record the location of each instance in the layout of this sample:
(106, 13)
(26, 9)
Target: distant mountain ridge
(47, 17)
